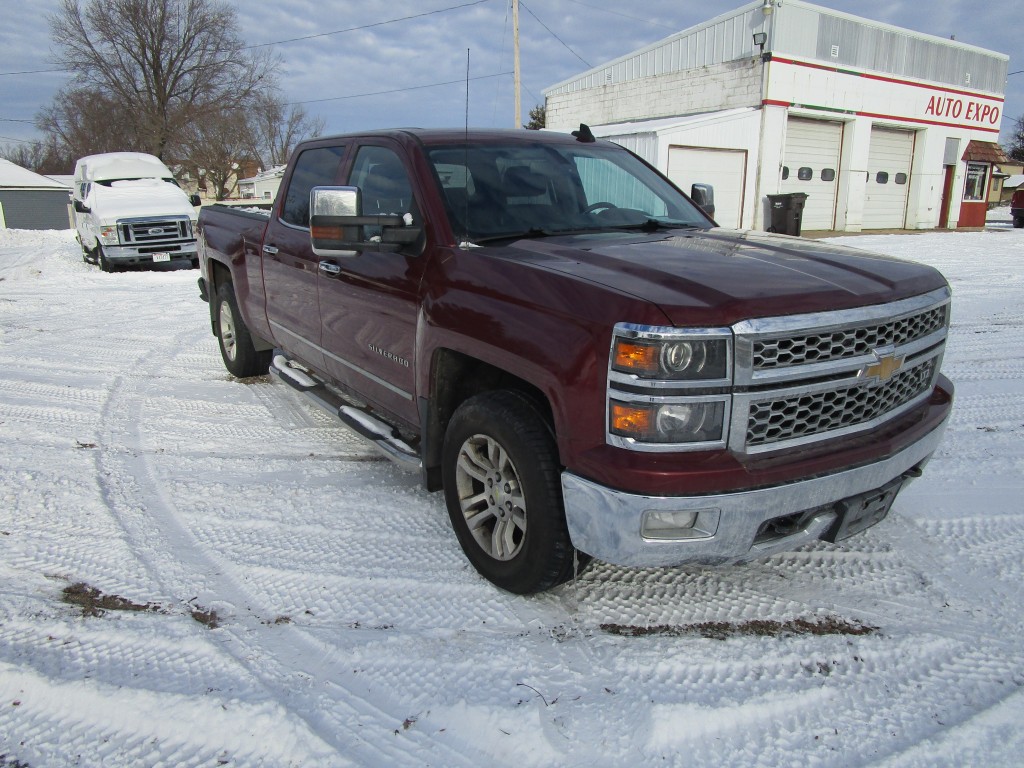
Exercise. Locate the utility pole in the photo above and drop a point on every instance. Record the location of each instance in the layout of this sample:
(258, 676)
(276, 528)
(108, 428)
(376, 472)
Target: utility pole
(516, 77)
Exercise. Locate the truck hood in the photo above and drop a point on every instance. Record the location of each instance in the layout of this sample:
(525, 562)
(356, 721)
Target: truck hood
(723, 276)
(137, 198)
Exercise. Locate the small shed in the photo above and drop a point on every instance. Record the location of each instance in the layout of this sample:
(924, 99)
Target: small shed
(31, 201)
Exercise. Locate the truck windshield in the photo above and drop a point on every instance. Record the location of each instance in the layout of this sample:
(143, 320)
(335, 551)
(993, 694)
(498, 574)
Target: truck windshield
(493, 191)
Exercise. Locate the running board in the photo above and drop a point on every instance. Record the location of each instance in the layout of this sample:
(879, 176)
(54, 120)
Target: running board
(366, 425)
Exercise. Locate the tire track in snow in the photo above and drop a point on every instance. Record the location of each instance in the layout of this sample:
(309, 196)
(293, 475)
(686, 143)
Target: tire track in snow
(181, 564)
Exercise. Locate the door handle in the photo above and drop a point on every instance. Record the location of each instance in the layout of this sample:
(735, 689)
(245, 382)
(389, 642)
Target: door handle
(270, 250)
(330, 269)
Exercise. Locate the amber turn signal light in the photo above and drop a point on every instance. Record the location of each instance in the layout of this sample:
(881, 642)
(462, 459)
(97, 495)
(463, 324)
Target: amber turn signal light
(629, 420)
(641, 358)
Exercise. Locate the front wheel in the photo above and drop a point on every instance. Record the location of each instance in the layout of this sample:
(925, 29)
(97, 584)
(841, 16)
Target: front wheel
(503, 493)
(102, 260)
(236, 346)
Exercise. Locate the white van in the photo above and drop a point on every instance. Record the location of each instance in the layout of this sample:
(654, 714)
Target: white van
(130, 210)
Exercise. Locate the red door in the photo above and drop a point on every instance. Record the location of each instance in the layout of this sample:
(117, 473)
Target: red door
(947, 194)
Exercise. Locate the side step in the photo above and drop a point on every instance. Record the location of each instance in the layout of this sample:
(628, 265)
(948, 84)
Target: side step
(367, 426)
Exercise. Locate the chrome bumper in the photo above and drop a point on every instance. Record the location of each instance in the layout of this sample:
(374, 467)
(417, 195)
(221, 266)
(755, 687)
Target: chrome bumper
(116, 253)
(607, 524)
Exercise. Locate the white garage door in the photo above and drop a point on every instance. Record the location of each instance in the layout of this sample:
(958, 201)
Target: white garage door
(811, 165)
(724, 169)
(889, 160)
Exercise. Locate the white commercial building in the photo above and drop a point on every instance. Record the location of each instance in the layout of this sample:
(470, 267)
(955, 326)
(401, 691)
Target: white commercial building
(881, 127)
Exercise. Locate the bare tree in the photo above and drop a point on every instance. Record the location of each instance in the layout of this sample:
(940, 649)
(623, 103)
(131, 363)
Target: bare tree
(161, 65)
(41, 157)
(82, 120)
(1015, 147)
(219, 150)
(277, 127)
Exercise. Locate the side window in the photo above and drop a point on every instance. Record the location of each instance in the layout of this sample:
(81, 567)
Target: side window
(901, 178)
(785, 172)
(882, 177)
(383, 181)
(313, 168)
(605, 182)
(828, 174)
(805, 174)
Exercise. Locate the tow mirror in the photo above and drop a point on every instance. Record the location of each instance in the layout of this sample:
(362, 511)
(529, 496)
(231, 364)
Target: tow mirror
(337, 228)
(704, 196)
(195, 200)
(81, 207)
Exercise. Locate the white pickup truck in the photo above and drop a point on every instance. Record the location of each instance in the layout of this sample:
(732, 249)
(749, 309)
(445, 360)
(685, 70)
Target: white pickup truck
(129, 210)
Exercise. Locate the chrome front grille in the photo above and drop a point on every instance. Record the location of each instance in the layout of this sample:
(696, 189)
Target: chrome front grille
(797, 416)
(803, 379)
(147, 231)
(846, 342)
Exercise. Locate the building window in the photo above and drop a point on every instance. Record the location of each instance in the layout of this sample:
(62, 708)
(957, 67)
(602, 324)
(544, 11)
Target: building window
(805, 174)
(901, 178)
(882, 177)
(974, 189)
(785, 172)
(828, 174)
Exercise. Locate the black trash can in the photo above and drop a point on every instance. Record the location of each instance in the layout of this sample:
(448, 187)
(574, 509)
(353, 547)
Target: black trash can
(787, 211)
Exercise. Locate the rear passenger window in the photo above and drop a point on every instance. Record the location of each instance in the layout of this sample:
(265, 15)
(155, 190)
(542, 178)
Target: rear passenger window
(313, 168)
(805, 174)
(828, 174)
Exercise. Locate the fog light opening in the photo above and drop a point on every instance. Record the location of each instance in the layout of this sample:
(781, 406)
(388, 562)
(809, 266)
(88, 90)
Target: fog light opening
(673, 524)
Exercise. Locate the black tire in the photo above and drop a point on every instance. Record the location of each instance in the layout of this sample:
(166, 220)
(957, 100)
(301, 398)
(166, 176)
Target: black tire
(102, 260)
(1018, 222)
(236, 347)
(514, 493)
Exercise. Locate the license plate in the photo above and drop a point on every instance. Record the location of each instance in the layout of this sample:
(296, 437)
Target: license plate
(161, 257)
(859, 513)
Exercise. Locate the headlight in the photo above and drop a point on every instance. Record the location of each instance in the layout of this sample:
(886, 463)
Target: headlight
(672, 359)
(669, 389)
(108, 235)
(693, 421)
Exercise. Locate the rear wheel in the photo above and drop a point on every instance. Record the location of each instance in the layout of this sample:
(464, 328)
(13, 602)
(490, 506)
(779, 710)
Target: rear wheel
(503, 493)
(236, 346)
(1018, 222)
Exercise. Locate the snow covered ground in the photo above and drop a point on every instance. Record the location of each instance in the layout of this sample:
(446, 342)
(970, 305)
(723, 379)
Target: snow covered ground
(196, 571)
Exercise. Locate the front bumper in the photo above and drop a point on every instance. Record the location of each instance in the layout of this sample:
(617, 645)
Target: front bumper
(133, 254)
(607, 523)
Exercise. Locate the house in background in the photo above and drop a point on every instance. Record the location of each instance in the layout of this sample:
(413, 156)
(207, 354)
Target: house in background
(31, 201)
(262, 186)
(883, 127)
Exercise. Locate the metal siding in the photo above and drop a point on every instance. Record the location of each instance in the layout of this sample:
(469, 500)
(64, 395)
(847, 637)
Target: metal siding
(35, 208)
(865, 46)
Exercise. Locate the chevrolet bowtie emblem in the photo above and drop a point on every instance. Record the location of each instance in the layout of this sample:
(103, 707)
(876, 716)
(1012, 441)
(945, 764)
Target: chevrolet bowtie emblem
(887, 366)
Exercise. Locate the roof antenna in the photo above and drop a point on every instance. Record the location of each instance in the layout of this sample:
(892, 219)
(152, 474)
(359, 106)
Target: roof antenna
(465, 164)
(584, 134)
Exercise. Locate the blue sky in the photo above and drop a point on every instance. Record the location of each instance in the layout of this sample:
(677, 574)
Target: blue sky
(388, 75)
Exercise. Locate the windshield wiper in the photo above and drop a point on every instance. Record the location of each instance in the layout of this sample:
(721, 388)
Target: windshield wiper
(653, 225)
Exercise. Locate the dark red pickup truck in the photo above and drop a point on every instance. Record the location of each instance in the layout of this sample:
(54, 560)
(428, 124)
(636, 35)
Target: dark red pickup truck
(553, 334)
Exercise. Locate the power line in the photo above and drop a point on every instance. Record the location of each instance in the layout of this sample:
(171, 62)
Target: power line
(554, 35)
(34, 72)
(625, 16)
(367, 26)
(14, 120)
(397, 90)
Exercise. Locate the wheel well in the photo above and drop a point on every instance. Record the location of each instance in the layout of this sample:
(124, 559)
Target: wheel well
(454, 378)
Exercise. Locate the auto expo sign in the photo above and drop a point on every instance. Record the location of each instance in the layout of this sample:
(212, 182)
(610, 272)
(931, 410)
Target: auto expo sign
(968, 110)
